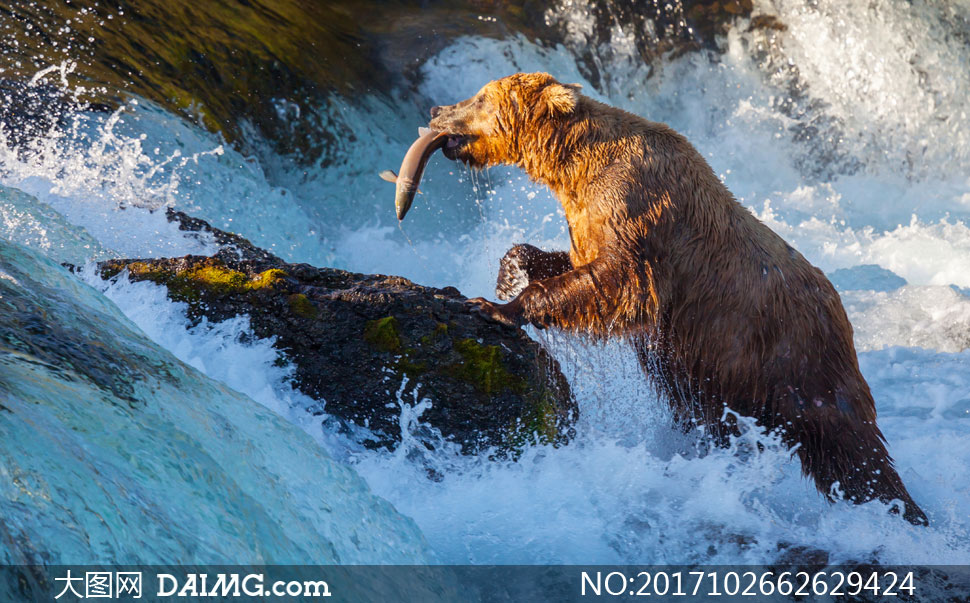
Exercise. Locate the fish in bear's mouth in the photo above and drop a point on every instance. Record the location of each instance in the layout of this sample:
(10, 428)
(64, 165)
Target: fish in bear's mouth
(412, 167)
(454, 144)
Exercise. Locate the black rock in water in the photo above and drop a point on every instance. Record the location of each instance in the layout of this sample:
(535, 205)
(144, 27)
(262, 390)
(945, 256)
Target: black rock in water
(356, 339)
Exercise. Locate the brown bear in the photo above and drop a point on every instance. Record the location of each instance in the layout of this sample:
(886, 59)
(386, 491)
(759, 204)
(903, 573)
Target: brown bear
(720, 310)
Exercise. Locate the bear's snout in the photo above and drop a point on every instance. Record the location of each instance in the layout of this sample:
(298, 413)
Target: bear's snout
(435, 111)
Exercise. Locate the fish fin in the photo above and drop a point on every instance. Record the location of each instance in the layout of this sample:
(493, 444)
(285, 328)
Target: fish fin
(392, 177)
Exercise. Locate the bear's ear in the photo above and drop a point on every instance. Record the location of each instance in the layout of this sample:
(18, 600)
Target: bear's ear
(560, 99)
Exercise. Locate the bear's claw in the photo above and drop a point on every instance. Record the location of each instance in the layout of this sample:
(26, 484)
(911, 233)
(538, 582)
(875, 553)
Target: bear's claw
(513, 276)
(498, 312)
(525, 264)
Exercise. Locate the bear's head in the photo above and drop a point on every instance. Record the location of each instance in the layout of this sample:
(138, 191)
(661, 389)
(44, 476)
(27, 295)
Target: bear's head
(491, 127)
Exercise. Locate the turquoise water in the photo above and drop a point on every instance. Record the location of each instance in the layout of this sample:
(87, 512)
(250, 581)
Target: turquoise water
(112, 449)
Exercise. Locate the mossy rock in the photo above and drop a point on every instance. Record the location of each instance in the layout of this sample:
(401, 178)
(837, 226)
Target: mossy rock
(355, 340)
(383, 334)
(302, 306)
(482, 366)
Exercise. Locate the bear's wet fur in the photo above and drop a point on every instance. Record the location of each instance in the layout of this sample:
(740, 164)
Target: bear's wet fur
(720, 310)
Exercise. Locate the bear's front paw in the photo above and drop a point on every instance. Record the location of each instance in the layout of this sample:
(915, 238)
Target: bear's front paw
(513, 271)
(503, 313)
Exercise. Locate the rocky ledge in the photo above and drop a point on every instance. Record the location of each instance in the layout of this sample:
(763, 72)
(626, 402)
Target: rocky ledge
(355, 340)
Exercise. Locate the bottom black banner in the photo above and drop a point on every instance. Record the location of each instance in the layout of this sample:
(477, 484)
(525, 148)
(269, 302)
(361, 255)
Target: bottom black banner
(445, 583)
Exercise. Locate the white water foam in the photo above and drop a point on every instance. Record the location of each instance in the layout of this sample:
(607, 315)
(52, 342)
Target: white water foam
(605, 497)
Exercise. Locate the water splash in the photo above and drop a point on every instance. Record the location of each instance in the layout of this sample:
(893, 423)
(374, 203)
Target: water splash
(89, 158)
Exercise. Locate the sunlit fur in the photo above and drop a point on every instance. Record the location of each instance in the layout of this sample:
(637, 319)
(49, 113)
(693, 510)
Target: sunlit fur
(721, 311)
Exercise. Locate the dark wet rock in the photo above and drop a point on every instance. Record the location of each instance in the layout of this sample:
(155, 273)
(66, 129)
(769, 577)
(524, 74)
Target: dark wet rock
(645, 31)
(356, 339)
(801, 556)
(284, 68)
(228, 242)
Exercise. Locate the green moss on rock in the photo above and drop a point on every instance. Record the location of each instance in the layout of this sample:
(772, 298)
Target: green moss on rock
(384, 334)
(216, 279)
(302, 306)
(482, 366)
(410, 368)
(267, 278)
(440, 330)
(543, 420)
(192, 285)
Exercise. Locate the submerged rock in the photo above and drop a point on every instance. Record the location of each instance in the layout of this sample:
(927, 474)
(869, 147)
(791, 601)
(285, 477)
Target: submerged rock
(356, 339)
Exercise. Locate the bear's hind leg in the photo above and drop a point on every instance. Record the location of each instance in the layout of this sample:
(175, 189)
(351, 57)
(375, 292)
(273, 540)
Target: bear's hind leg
(834, 448)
